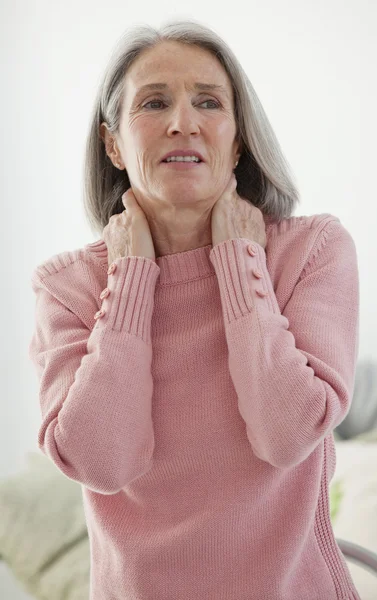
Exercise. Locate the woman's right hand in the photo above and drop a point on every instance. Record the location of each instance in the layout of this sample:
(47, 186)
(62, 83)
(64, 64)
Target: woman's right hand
(128, 233)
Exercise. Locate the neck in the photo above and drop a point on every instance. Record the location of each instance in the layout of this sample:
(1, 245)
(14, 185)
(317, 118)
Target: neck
(180, 230)
(174, 243)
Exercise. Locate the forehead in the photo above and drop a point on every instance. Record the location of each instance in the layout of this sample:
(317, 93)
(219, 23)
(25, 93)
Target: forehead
(173, 63)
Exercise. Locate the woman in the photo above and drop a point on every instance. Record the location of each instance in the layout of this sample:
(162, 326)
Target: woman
(195, 360)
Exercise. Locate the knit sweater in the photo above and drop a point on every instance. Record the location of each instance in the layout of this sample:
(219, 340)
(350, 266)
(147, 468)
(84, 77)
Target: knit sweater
(194, 398)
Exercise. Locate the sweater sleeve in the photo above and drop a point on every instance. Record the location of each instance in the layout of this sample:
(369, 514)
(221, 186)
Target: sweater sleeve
(96, 385)
(293, 372)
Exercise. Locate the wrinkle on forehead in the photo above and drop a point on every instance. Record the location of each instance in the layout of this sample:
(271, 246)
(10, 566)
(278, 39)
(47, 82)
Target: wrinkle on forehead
(148, 65)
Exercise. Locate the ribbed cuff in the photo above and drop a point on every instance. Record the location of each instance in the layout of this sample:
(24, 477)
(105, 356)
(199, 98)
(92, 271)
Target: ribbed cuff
(128, 307)
(237, 263)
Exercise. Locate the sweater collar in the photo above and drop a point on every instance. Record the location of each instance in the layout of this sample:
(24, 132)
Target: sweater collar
(174, 268)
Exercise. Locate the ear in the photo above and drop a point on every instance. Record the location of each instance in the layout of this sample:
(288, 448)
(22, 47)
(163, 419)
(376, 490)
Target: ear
(110, 144)
(240, 147)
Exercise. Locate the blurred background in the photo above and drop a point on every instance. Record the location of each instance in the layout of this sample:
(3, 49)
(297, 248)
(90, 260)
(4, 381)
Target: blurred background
(313, 66)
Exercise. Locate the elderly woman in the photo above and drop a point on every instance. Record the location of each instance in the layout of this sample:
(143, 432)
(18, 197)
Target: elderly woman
(195, 360)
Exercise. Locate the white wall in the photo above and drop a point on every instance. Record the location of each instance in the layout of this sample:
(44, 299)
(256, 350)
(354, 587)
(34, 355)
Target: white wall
(312, 64)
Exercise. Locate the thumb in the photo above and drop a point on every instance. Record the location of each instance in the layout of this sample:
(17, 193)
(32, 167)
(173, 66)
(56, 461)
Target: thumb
(129, 200)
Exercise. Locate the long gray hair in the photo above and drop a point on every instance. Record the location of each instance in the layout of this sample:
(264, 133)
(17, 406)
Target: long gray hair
(263, 174)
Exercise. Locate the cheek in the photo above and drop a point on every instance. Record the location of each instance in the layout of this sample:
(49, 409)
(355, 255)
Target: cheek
(226, 127)
(143, 128)
(223, 142)
(146, 136)
(146, 123)
(226, 131)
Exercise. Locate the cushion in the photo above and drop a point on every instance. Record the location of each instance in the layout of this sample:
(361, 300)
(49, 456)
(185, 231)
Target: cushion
(43, 534)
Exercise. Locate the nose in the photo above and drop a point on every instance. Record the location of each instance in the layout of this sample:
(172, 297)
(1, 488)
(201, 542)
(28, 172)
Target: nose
(184, 119)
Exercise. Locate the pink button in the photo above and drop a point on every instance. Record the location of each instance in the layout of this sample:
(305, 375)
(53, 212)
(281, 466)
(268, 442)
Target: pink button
(105, 293)
(111, 269)
(99, 314)
(252, 250)
(257, 274)
(261, 293)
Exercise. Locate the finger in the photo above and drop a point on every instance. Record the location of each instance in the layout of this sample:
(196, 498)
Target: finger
(233, 182)
(128, 198)
(231, 185)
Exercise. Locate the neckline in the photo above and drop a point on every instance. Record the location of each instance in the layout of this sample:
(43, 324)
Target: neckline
(174, 268)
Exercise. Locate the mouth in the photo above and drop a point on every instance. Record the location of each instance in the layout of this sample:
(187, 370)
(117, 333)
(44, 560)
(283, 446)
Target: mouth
(182, 164)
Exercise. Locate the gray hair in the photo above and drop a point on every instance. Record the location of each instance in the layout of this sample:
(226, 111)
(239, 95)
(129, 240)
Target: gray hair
(263, 174)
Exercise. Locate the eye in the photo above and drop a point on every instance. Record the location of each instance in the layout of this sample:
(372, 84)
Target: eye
(204, 102)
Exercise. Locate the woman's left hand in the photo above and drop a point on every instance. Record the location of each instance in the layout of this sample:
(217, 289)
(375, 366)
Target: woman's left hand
(234, 217)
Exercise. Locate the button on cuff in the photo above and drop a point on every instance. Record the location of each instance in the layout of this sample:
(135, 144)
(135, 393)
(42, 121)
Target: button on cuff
(111, 269)
(261, 293)
(252, 249)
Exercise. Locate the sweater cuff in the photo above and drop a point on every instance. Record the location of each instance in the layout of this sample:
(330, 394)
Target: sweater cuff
(244, 281)
(128, 299)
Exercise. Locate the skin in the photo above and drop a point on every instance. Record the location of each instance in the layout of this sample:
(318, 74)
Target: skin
(176, 203)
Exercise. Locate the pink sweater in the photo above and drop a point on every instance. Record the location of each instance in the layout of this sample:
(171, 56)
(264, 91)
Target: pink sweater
(197, 410)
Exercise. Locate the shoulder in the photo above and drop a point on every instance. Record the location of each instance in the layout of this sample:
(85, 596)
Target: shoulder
(309, 231)
(75, 278)
(298, 242)
(92, 255)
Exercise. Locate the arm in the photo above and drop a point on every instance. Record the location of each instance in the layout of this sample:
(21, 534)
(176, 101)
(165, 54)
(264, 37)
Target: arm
(96, 386)
(293, 371)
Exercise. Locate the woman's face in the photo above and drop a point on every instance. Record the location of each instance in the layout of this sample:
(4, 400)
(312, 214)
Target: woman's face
(154, 122)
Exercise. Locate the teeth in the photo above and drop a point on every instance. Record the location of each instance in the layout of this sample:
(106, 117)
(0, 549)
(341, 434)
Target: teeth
(183, 159)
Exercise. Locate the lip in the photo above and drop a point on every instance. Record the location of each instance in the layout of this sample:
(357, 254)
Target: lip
(182, 165)
(181, 152)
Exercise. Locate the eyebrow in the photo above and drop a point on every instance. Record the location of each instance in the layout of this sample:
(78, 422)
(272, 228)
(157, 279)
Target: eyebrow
(197, 86)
